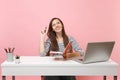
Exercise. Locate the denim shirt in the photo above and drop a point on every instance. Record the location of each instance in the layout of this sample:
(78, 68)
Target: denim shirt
(75, 46)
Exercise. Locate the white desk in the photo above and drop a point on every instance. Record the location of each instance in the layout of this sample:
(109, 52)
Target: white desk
(36, 66)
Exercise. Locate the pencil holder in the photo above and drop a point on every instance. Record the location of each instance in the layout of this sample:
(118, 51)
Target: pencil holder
(9, 57)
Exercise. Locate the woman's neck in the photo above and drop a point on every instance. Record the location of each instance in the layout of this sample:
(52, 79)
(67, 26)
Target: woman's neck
(59, 37)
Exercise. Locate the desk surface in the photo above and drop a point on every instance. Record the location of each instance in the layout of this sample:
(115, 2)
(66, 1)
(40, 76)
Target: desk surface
(35, 65)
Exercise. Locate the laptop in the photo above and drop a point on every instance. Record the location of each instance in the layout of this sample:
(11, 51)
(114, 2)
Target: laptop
(96, 52)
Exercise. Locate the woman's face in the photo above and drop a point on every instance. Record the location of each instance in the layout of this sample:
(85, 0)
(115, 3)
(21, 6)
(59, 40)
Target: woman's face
(57, 26)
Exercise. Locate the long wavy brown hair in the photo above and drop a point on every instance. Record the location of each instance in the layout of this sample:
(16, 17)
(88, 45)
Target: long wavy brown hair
(52, 36)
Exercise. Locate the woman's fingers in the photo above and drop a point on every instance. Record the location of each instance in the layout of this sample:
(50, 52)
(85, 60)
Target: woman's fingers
(45, 29)
(42, 32)
(65, 56)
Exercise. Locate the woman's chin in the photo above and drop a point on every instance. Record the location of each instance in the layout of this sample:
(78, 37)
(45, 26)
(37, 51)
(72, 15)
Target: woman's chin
(57, 31)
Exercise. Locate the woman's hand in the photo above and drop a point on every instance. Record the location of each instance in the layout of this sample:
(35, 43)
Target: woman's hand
(43, 34)
(42, 39)
(71, 55)
(65, 56)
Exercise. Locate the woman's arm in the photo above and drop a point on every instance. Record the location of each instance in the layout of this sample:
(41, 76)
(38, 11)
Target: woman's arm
(73, 54)
(77, 50)
(42, 41)
(42, 49)
(44, 45)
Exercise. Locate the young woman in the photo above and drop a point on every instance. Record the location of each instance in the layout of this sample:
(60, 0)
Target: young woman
(57, 41)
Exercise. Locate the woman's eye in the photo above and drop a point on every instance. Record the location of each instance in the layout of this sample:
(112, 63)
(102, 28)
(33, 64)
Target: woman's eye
(58, 22)
(53, 25)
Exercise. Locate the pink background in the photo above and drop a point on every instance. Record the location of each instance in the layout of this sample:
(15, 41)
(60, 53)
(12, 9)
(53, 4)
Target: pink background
(86, 20)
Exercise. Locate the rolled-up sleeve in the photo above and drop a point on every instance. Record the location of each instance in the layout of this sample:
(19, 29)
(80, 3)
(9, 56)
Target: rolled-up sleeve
(76, 46)
(46, 47)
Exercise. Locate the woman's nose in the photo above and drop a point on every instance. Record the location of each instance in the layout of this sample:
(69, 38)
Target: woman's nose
(56, 25)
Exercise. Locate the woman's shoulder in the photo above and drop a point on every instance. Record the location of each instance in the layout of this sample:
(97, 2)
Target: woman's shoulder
(48, 40)
(70, 38)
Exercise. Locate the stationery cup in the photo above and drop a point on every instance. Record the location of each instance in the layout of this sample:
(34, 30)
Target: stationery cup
(17, 61)
(9, 57)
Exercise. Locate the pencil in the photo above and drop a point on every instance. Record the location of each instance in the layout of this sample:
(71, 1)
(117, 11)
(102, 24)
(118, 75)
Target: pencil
(9, 50)
(5, 50)
(13, 50)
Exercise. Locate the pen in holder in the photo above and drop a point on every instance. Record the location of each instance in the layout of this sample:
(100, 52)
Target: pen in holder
(9, 54)
(9, 57)
(17, 59)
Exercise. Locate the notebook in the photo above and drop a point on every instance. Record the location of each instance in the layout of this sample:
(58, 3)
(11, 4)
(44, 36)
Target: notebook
(96, 52)
(61, 55)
